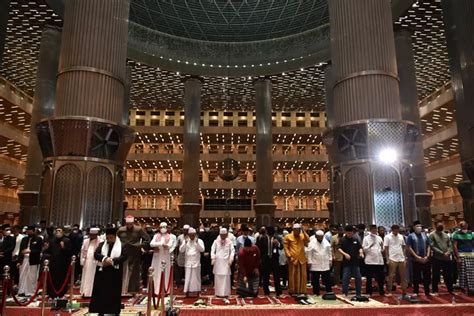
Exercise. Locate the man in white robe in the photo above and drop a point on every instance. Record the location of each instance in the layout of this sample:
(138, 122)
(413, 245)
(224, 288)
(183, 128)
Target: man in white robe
(163, 244)
(88, 262)
(191, 248)
(179, 273)
(222, 256)
(29, 261)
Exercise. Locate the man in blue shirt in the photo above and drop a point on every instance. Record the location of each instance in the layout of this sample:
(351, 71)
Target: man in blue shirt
(241, 239)
(419, 248)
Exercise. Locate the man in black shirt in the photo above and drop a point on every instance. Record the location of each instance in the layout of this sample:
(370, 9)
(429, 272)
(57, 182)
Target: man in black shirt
(351, 249)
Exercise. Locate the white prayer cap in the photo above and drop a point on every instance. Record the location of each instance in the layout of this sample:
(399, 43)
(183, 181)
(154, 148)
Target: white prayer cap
(285, 232)
(319, 233)
(186, 226)
(191, 231)
(223, 231)
(94, 230)
(296, 226)
(129, 219)
(163, 224)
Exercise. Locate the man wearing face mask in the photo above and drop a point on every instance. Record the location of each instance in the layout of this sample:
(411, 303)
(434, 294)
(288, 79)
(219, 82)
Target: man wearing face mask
(29, 257)
(320, 260)
(351, 249)
(373, 250)
(88, 262)
(336, 255)
(208, 237)
(133, 237)
(294, 245)
(58, 251)
(419, 247)
(464, 254)
(245, 234)
(222, 256)
(163, 244)
(76, 238)
(179, 273)
(270, 245)
(191, 248)
(7, 244)
(442, 258)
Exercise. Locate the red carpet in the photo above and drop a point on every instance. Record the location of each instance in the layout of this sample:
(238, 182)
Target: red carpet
(428, 310)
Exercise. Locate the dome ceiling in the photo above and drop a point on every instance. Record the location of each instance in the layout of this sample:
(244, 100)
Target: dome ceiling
(230, 21)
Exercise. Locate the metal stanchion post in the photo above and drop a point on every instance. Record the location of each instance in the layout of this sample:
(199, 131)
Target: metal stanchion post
(6, 278)
(71, 290)
(43, 293)
(171, 282)
(149, 291)
(163, 288)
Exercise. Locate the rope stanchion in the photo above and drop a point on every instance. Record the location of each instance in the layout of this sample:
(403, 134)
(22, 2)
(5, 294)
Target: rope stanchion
(162, 288)
(43, 294)
(170, 283)
(71, 290)
(63, 286)
(149, 291)
(5, 287)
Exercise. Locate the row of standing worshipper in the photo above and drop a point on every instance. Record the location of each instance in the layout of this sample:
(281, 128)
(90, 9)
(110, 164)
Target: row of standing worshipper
(31, 250)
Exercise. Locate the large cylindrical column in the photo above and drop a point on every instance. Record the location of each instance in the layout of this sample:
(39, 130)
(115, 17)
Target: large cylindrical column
(93, 54)
(190, 205)
(265, 207)
(419, 202)
(43, 107)
(84, 144)
(459, 22)
(367, 114)
(364, 62)
(328, 92)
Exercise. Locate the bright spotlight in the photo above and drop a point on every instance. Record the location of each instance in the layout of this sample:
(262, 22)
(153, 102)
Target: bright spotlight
(388, 156)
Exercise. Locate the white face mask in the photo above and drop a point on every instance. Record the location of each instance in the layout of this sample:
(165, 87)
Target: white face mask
(8, 233)
(464, 231)
(163, 230)
(417, 230)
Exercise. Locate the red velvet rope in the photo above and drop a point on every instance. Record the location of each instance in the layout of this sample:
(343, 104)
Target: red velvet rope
(32, 298)
(4, 294)
(66, 280)
(159, 290)
(169, 280)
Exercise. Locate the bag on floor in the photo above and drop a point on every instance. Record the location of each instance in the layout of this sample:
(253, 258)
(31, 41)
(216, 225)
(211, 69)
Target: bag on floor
(329, 296)
(360, 298)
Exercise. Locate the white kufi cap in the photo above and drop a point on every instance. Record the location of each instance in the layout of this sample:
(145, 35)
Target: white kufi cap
(223, 231)
(296, 226)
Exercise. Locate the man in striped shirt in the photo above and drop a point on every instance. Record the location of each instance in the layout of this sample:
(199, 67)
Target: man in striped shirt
(464, 254)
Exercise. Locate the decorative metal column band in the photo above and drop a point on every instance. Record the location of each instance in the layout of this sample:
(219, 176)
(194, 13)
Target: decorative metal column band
(98, 197)
(387, 197)
(356, 197)
(66, 208)
(354, 50)
(94, 36)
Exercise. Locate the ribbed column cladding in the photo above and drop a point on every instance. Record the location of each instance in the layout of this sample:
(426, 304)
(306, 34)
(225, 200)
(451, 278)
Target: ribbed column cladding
(364, 62)
(93, 56)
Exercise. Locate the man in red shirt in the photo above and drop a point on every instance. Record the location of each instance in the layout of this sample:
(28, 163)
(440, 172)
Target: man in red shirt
(249, 263)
